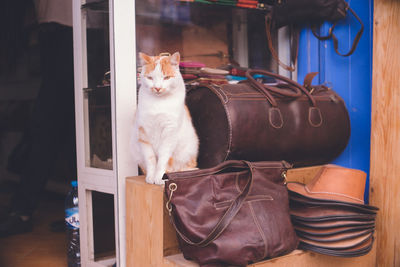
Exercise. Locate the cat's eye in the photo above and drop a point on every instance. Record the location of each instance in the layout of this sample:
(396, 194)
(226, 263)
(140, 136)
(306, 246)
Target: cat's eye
(167, 77)
(150, 78)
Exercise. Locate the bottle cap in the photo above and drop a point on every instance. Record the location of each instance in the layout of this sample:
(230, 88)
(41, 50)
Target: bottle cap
(74, 183)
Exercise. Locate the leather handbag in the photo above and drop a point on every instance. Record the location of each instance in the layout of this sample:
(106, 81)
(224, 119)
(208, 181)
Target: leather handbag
(235, 213)
(294, 13)
(304, 125)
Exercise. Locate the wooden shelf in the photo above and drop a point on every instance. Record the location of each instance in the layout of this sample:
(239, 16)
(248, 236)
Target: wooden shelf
(151, 240)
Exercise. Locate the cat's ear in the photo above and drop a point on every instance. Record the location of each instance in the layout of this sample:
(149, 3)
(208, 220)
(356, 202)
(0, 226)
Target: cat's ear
(144, 59)
(175, 59)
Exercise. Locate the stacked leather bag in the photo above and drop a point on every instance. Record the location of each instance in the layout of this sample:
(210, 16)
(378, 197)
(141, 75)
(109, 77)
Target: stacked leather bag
(329, 214)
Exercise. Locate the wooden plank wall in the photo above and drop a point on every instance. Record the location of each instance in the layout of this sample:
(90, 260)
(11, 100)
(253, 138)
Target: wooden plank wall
(385, 131)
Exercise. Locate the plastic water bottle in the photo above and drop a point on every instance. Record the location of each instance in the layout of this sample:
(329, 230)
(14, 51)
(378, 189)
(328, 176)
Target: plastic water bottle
(72, 226)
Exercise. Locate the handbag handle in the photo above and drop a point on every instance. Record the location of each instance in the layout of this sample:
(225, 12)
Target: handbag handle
(261, 87)
(230, 213)
(275, 115)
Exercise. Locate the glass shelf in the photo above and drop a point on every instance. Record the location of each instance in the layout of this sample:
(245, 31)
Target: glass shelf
(98, 92)
(96, 6)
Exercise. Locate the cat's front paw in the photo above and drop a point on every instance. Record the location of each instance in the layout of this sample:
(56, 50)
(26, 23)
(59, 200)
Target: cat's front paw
(150, 179)
(159, 181)
(158, 178)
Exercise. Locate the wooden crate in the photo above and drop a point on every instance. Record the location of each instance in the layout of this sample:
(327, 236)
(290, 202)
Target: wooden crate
(151, 240)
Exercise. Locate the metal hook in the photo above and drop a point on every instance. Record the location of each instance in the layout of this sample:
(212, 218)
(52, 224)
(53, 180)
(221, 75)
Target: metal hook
(172, 187)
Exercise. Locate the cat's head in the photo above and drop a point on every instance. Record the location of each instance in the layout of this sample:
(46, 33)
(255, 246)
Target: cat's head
(160, 74)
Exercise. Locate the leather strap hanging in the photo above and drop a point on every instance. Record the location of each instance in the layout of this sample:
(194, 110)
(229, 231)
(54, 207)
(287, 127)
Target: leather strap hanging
(292, 13)
(294, 45)
(335, 39)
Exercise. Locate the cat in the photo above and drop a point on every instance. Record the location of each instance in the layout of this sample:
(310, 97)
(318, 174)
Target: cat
(163, 139)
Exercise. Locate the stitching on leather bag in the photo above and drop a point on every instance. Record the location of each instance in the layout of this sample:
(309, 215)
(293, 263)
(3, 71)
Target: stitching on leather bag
(309, 117)
(237, 182)
(223, 229)
(270, 118)
(255, 198)
(232, 94)
(248, 98)
(228, 117)
(259, 230)
(193, 176)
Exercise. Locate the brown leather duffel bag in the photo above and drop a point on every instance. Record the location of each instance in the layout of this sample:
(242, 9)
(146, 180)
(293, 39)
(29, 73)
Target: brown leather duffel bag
(304, 125)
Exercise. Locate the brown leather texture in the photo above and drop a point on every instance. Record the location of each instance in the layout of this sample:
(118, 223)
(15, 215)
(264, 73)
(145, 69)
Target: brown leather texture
(300, 199)
(256, 122)
(233, 214)
(334, 183)
(329, 215)
(308, 11)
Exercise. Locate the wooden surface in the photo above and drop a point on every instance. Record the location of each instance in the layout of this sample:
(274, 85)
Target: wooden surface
(151, 240)
(148, 240)
(297, 258)
(385, 130)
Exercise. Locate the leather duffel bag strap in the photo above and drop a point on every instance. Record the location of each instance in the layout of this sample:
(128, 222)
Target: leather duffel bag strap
(304, 125)
(235, 213)
(295, 13)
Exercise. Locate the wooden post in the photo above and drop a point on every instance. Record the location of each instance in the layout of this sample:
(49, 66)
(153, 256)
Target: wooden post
(385, 130)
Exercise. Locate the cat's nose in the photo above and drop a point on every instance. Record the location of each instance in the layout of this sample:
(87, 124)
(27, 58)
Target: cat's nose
(158, 89)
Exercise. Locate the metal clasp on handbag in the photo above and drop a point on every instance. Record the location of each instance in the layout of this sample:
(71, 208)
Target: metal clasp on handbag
(172, 187)
(284, 177)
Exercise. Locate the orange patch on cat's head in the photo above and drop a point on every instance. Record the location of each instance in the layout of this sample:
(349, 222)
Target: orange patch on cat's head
(148, 62)
(168, 63)
(166, 67)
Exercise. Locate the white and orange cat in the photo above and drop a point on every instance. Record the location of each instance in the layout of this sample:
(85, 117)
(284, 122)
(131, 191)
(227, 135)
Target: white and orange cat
(164, 139)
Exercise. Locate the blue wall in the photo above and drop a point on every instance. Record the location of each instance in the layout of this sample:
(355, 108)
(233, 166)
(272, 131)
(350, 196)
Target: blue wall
(350, 77)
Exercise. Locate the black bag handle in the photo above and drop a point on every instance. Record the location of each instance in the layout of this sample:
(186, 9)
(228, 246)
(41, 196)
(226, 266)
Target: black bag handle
(233, 209)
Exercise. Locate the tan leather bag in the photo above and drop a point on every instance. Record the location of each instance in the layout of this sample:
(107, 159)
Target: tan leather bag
(233, 214)
(304, 125)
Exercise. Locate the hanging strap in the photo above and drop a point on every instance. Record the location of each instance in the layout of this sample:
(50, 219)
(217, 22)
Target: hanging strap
(294, 44)
(334, 38)
(234, 208)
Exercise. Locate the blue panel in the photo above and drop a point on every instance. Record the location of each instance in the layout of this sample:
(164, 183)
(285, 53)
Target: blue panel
(351, 77)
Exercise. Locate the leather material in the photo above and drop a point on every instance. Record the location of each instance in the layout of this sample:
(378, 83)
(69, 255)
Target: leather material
(325, 214)
(329, 214)
(300, 199)
(337, 237)
(257, 122)
(294, 13)
(312, 231)
(356, 251)
(306, 11)
(334, 183)
(332, 225)
(235, 213)
(338, 245)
